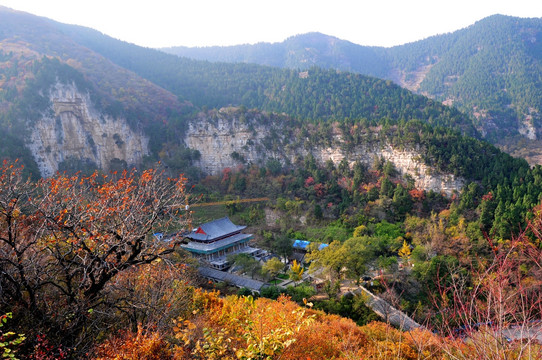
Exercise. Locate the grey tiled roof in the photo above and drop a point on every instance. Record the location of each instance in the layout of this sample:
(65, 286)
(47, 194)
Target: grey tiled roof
(214, 229)
(209, 248)
(236, 280)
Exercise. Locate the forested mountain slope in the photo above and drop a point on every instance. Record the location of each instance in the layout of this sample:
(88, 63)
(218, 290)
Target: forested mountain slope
(31, 37)
(312, 94)
(64, 106)
(297, 52)
(120, 79)
(154, 92)
(492, 70)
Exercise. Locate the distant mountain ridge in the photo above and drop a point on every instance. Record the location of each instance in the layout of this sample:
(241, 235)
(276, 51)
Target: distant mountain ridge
(297, 52)
(77, 88)
(492, 70)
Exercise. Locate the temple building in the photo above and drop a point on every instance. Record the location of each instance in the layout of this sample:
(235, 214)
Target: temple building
(212, 242)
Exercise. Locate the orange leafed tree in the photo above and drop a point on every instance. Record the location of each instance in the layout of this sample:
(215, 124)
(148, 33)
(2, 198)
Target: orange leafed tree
(152, 294)
(243, 328)
(142, 345)
(64, 239)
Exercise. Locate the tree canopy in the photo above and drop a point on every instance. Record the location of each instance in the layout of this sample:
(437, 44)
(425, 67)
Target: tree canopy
(65, 240)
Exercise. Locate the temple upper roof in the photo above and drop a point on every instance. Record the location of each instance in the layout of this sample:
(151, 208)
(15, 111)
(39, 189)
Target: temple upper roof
(214, 230)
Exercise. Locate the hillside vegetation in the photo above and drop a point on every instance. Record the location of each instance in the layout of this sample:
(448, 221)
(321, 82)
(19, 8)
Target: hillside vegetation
(491, 70)
(317, 94)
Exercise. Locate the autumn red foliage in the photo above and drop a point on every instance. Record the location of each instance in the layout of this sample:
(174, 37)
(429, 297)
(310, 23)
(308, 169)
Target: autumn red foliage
(245, 328)
(64, 240)
(142, 344)
(417, 195)
(497, 303)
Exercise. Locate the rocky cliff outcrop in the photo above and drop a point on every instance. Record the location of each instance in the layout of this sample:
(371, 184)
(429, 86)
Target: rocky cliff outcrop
(405, 161)
(229, 138)
(73, 130)
(218, 138)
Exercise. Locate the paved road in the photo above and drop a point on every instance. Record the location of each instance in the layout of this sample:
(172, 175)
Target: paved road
(399, 319)
(387, 312)
(533, 332)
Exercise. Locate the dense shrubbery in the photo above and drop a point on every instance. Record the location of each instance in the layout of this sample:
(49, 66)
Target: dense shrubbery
(244, 328)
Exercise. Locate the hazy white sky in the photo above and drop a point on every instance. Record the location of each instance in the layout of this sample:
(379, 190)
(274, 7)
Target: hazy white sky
(160, 23)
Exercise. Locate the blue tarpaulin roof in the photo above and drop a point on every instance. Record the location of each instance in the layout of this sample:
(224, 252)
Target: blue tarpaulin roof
(301, 244)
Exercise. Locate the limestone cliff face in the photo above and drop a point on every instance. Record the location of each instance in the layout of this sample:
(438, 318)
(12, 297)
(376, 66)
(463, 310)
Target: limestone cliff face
(227, 139)
(73, 130)
(405, 161)
(217, 138)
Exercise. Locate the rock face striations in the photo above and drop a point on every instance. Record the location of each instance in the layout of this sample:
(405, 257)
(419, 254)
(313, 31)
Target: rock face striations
(72, 130)
(231, 137)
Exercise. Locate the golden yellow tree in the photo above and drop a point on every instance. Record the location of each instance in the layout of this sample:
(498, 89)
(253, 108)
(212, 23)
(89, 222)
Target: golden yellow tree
(404, 252)
(296, 272)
